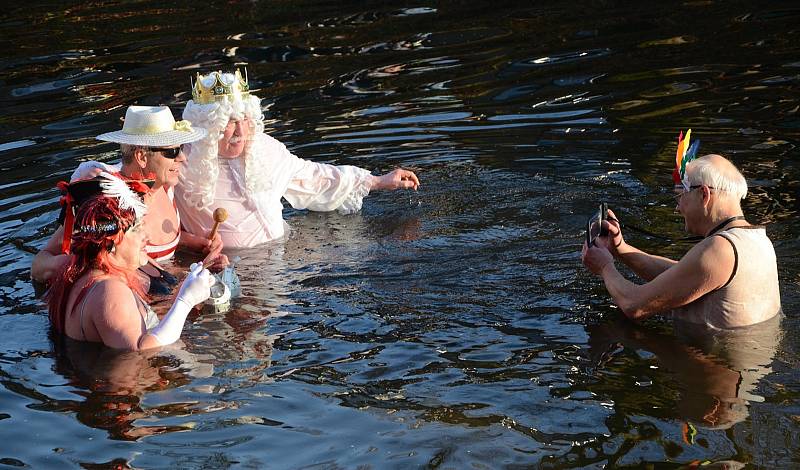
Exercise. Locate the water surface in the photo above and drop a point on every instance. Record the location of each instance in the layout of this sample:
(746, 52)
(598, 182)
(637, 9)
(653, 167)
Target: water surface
(451, 327)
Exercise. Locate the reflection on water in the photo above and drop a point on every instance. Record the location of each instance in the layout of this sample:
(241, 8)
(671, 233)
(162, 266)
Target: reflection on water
(716, 372)
(113, 385)
(449, 327)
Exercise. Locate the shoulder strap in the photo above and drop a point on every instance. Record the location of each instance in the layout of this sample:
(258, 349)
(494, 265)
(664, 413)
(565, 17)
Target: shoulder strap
(81, 298)
(735, 257)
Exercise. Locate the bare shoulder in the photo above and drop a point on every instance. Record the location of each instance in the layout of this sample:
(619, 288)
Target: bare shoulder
(116, 314)
(714, 257)
(112, 294)
(159, 201)
(712, 249)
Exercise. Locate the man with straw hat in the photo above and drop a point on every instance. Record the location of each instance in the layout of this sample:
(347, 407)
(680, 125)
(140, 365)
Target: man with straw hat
(151, 143)
(243, 170)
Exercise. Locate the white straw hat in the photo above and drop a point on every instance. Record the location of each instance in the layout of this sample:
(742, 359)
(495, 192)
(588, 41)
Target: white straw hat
(153, 126)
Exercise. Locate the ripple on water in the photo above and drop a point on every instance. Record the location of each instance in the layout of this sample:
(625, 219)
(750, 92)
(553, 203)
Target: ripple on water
(449, 327)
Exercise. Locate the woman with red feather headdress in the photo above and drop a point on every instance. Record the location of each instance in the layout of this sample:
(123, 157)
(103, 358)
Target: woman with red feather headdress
(97, 296)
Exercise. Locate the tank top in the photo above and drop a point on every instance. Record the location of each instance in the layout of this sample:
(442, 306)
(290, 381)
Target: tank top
(751, 295)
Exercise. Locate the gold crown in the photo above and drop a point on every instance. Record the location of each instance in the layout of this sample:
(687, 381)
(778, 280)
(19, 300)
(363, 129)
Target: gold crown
(217, 86)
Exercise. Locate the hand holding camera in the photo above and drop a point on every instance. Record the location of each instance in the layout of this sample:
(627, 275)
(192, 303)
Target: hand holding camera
(603, 231)
(595, 226)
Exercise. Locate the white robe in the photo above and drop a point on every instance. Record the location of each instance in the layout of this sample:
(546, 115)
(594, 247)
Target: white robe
(304, 184)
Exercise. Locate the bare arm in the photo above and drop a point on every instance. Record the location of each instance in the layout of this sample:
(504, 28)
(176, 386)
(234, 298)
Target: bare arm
(706, 267)
(645, 265)
(396, 179)
(50, 260)
(116, 317)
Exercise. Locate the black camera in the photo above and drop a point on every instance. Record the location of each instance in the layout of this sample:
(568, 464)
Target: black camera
(594, 226)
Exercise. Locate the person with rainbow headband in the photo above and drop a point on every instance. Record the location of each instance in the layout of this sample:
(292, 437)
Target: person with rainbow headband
(97, 295)
(239, 168)
(727, 280)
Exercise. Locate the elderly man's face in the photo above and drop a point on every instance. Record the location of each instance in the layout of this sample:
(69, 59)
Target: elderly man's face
(690, 205)
(234, 138)
(166, 170)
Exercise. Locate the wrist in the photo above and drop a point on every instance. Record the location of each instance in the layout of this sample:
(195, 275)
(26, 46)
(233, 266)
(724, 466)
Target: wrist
(192, 241)
(606, 267)
(621, 249)
(375, 183)
(185, 302)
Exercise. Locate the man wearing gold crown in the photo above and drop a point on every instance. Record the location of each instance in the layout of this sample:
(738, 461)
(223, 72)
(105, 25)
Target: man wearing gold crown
(245, 171)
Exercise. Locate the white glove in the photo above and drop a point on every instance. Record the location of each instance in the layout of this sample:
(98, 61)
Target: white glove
(197, 286)
(91, 169)
(195, 289)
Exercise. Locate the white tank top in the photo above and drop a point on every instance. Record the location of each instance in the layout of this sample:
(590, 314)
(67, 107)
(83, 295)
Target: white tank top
(751, 295)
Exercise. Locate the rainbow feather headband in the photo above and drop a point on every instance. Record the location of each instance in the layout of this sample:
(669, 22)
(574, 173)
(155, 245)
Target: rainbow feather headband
(685, 153)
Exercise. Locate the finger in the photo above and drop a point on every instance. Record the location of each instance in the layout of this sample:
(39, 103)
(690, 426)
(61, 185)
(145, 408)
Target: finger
(405, 184)
(204, 276)
(209, 259)
(412, 177)
(608, 226)
(196, 268)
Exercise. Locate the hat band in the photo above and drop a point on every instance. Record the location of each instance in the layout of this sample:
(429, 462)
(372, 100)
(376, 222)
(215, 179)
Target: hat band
(183, 126)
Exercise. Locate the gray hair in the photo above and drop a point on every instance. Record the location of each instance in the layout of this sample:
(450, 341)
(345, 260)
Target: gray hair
(127, 151)
(199, 175)
(718, 173)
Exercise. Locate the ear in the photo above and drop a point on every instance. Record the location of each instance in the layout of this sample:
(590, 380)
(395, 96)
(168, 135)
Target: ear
(706, 196)
(140, 157)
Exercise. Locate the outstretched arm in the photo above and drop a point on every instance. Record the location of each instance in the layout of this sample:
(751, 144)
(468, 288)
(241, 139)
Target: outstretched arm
(397, 179)
(645, 265)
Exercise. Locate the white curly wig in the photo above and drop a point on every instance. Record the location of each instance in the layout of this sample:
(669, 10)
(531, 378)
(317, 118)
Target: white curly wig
(199, 175)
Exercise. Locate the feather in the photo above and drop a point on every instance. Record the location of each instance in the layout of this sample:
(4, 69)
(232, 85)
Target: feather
(691, 154)
(678, 154)
(117, 188)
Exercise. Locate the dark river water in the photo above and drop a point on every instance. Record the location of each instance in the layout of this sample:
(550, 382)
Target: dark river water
(453, 327)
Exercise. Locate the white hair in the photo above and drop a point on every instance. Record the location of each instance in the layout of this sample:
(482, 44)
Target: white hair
(199, 175)
(721, 177)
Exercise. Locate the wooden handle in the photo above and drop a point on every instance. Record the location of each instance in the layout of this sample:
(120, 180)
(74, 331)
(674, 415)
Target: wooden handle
(220, 215)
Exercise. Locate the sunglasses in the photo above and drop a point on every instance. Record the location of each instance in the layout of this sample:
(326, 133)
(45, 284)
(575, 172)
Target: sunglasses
(594, 226)
(171, 153)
